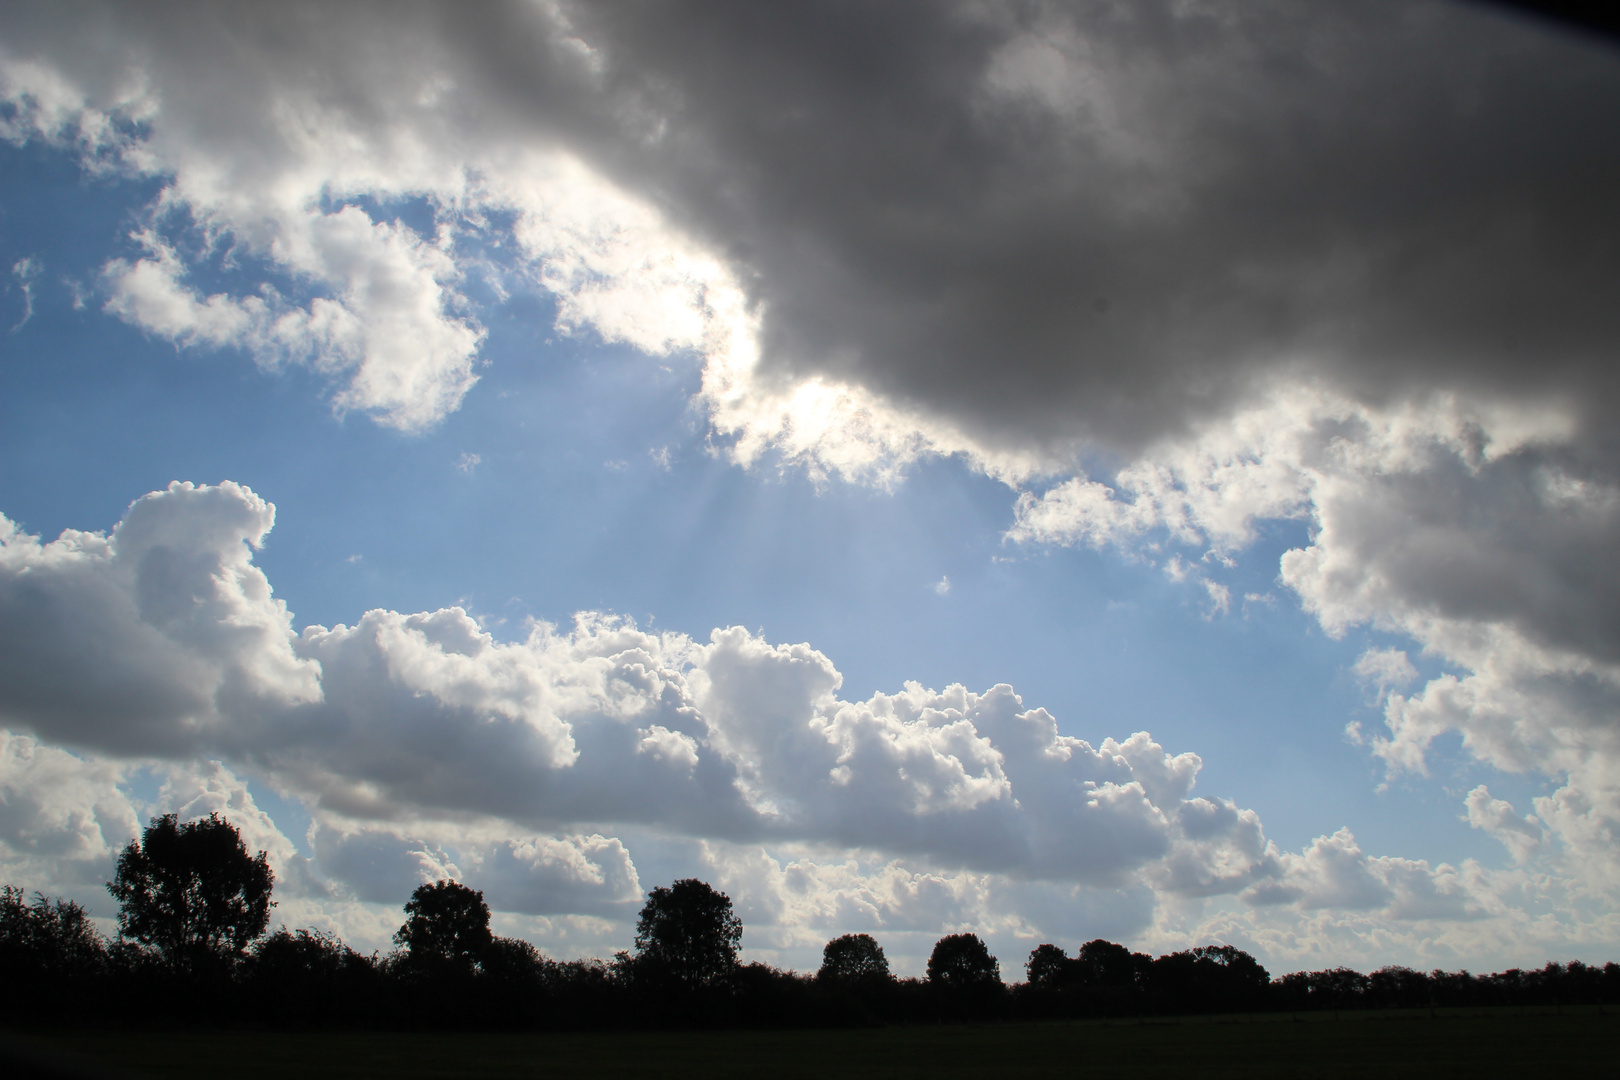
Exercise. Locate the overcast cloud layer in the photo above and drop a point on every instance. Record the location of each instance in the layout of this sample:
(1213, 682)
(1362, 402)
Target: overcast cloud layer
(1169, 271)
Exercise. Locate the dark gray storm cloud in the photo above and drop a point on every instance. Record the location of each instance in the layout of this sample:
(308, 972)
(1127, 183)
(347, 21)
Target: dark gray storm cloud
(1106, 219)
(1043, 223)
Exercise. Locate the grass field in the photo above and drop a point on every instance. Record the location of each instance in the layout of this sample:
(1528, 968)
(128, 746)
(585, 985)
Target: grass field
(1462, 1043)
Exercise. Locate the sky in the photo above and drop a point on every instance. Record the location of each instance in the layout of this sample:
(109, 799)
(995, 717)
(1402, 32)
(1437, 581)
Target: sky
(1052, 471)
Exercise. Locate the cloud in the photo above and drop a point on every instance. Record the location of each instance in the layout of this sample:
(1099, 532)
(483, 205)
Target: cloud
(168, 627)
(25, 270)
(1017, 232)
(62, 818)
(1521, 835)
(404, 358)
(544, 876)
(415, 718)
(1385, 670)
(550, 772)
(1333, 872)
(421, 748)
(1474, 530)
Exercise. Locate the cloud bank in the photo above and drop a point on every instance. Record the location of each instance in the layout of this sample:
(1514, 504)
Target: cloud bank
(999, 233)
(422, 747)
(187, 655)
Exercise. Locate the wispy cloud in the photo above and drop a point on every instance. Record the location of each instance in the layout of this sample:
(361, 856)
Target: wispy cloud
(25, 270)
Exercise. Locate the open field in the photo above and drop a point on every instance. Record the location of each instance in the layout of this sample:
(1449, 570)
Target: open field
(1462, 1043)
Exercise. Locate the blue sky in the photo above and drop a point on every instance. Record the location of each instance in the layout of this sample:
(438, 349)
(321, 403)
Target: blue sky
(597, 464)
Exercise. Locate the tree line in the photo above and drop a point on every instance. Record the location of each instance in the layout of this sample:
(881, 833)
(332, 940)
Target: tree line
(192, 949)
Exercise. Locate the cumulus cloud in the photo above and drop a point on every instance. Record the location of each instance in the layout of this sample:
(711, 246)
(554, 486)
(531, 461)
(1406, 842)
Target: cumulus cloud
(65, 816)
(62, 819)
(404, 715)
(422, 748)
(1333, 872)
(386, 333)
(1521, 835)
(1474, 530)
(1384, 670)
(173, 627)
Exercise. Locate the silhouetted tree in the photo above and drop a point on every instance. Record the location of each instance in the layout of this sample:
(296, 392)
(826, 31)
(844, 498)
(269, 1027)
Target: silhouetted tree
(1104, 964)
(1209, 978)
(1396, 987)
(192, 892)
(513, 984)
(1336, 988)
(1048, 966)
(312, 978)
(446, 924)
(960, 961)
(687, 932)
(514, 961)
(764, 995)
(48, 936)
(853, 958)
(302, 955)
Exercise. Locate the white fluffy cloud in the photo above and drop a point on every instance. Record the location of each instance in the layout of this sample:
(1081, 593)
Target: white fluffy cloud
(405, 715)
(62, 819)
(422, 747)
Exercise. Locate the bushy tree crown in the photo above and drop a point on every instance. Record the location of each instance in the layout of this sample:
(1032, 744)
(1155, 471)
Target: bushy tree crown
(445, 922)
(688, 932)
(961, 960)
(853, 958)
(191, 891)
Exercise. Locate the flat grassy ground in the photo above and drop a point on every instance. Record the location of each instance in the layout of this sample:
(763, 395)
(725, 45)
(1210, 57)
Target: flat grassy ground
(1462, 1043)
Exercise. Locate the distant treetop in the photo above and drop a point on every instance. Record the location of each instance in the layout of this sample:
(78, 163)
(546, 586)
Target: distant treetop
(854, 958)
(960, 961)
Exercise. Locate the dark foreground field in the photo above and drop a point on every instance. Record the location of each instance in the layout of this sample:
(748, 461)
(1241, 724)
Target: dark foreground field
(1463, 1043)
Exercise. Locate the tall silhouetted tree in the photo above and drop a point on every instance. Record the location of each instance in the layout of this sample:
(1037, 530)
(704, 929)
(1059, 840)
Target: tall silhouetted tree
(192, 891)
(688, 932)
(961, 961)
(446, 923)
(853, 958)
